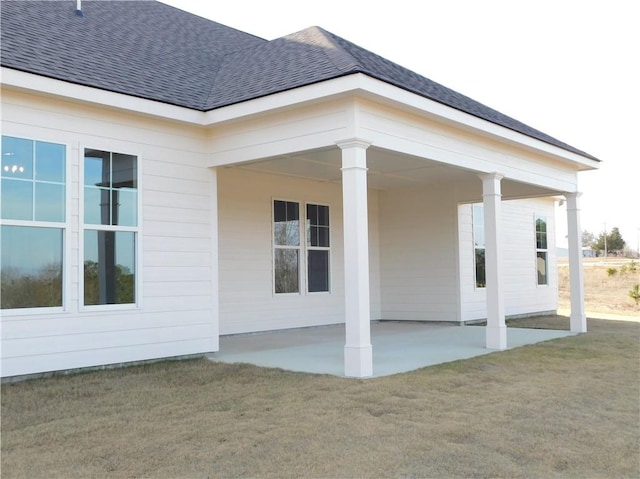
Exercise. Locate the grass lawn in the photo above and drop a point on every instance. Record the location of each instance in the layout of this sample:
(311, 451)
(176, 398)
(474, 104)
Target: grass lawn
(562, 408)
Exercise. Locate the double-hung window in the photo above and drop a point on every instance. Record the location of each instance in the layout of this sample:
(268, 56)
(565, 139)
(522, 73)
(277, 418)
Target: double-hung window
(33, 228)
(317, 248)
(286, 245)
(479, 245)
(292, 256)
(542, 263)
(110, 227)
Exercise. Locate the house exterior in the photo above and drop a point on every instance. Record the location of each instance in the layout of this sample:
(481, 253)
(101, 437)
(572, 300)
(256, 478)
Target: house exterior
(167, 180)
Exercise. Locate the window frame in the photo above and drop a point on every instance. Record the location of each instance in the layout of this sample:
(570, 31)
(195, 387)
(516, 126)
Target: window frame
(303, 249)
(64, 226)
(538, 250)
(476, 248)
(136, 230)
(298, 248)
(317, 248)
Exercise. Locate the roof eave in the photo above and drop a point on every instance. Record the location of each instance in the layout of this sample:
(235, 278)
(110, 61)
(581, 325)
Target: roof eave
(366, 85)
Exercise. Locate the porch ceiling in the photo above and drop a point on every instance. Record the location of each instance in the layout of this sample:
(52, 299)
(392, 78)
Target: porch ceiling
(387, 170)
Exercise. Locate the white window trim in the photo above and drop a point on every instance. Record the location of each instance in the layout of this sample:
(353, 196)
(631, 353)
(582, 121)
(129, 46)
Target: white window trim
(133, 229)
(317, 248)
(303, 249)
(474, 248)
(299, 248)
(537, 250)
(64, 226)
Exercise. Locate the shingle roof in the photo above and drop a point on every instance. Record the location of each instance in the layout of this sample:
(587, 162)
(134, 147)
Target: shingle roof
(142, 48)
(150, 50)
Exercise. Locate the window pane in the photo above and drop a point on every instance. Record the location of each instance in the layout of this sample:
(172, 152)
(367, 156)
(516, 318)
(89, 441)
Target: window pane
(279, 211)
(541, 263)
(124, 174)
(323, 236)
(317, 225)
(481, 281)
(17, 200)
(50, 160)
(286, 271)
(541, 233)
(312, 214)
(286, 228)
(17, 158)
(318, 271)
(96, 206)
(49, 202)
(125, 209)
(478, 226)
(31, 265)
(109, 267)
(323, 215)
(97, 168)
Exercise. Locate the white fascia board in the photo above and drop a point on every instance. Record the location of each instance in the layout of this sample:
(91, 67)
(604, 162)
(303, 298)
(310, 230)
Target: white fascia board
(354, 84)
(49, 86)
(359, 83)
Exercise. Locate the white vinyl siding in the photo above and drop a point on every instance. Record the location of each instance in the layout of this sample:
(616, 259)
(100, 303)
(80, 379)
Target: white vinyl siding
(175, 314)
(418, 254)
(247, 301)
(522, 296)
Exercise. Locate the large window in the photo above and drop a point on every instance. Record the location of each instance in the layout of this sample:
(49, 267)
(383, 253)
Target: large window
(33, 223)
(479, 245)
(111, 225)
(542, 263)
(287, 245)
(317, 248)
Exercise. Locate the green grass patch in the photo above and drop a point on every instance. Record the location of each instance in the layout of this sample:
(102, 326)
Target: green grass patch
(562, 408)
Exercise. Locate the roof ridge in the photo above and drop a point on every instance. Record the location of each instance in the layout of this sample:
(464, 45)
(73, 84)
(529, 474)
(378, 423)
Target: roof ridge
(341, 58)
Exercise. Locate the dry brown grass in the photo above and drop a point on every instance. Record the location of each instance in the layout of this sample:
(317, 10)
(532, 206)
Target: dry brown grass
(603, 293)
(562, 408)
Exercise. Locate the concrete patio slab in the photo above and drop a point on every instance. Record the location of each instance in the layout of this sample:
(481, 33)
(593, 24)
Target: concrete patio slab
(398, 346)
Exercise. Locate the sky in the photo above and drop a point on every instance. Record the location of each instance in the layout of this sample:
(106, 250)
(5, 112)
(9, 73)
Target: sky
(566, 67)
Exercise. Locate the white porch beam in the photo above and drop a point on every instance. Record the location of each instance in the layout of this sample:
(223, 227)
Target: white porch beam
(496, 329)
(578, 319)
(358, 353)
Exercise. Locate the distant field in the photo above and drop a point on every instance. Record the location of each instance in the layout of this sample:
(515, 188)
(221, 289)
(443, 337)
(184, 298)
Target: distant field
(604, 293)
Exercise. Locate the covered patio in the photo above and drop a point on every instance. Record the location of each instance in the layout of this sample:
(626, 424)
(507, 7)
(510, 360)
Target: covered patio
(398, 346)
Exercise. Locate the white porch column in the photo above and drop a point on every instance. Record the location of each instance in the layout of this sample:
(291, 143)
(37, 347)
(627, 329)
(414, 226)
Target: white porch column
(496, 329)
(215, 294)
(578, 319)
(358, 353)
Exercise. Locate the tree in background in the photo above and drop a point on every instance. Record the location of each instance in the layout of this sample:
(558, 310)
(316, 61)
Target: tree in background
(614, 242)
(588, 238)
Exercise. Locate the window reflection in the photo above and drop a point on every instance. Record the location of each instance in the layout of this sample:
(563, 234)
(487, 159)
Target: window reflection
(31, 267)
(109, 267)
(110, 196)
(33, 180)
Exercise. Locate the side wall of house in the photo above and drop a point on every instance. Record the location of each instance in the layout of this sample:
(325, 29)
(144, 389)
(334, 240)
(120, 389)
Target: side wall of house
(175, 265)
(418, 254)
(247, 299)
(427, 257)
(523, 295)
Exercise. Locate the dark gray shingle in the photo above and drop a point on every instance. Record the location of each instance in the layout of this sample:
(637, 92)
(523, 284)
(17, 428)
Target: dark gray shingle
(150, 50)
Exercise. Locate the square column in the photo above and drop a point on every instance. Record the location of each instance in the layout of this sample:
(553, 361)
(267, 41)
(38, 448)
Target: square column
(215, 265)
(578, 319)
(358, 353)
(496, 329)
